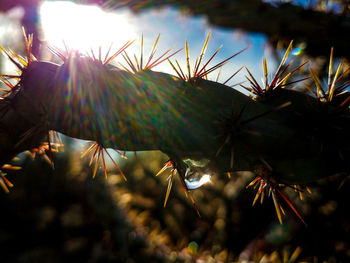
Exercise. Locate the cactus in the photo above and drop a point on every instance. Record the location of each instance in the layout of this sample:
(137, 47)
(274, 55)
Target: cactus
(286, 137)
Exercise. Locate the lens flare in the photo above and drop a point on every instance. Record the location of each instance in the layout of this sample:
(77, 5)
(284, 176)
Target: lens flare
(84, 28)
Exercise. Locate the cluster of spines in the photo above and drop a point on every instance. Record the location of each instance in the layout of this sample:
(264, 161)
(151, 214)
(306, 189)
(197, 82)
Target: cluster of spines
(98, 154)
(138, 65)
(279, 79)
(46, 149)
(333, 89)
(68, 53)
(4, 182)
(200, 71)
(171, 164)
(20, 62)
(267, 186)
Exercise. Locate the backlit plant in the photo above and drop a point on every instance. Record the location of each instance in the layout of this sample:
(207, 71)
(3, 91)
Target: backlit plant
(287, 137)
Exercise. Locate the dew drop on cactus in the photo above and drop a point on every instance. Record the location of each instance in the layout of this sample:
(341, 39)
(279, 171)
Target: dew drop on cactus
(197, 173)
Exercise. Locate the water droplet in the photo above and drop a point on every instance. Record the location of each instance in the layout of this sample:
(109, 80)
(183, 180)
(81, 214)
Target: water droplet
(197, 173)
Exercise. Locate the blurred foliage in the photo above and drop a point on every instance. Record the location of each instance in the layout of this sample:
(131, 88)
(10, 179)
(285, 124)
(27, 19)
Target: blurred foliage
(63, 215)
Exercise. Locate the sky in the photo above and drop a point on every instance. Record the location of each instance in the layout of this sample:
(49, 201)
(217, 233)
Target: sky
(86, 27)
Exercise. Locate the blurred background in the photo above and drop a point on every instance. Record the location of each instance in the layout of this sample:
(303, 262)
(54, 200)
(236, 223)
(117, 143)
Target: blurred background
(63, 215)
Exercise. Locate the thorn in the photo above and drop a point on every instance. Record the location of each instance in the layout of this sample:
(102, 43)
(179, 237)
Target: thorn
(170, 183)
(188, 61)
(116, 165)
(204, 48)
(277, 206)
(166, 166)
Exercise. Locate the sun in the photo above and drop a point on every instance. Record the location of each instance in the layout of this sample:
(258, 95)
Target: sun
(84, 28)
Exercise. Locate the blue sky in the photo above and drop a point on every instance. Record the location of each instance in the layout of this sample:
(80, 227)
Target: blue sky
(174, 27)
